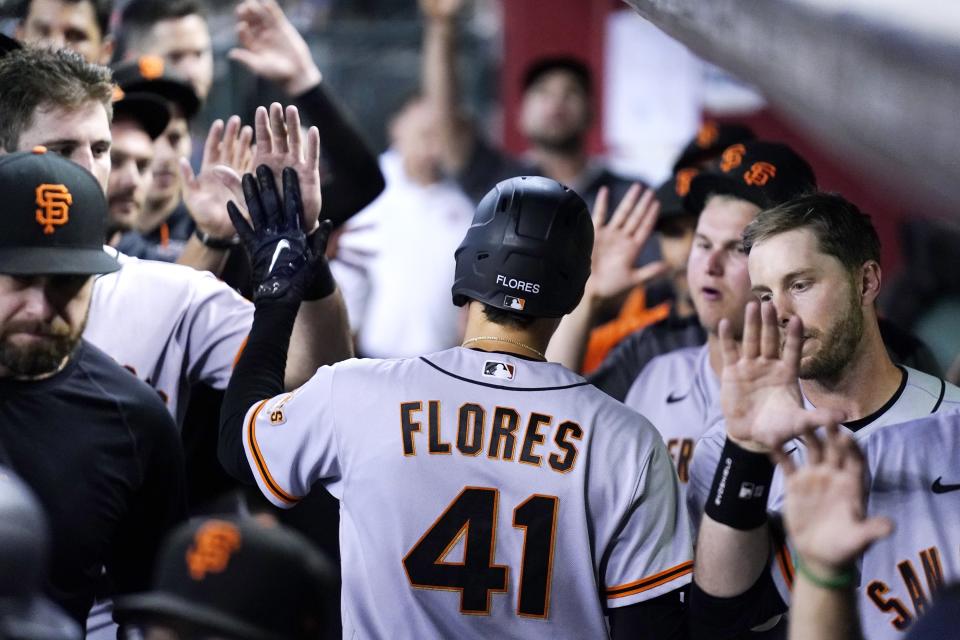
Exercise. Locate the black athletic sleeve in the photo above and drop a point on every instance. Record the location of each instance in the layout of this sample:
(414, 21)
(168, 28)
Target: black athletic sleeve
(353, 177)
(157, 505)
(661, 618)
(623, 365)
(257, 376)
(713, 618)
(487, 166)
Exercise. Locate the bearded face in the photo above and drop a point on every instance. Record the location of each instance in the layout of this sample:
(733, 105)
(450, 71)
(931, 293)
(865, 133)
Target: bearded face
(836, 343)
(41, 322)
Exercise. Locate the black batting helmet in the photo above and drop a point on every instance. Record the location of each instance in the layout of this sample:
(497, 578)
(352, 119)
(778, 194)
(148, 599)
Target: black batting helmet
(527, 249)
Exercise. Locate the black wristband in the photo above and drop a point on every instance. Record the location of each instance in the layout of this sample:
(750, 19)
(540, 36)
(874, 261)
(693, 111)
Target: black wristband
(322, 284)
(738, 497)
(220, 244)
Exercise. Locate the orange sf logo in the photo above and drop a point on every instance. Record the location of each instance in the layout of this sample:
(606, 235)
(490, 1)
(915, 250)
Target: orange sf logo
(212, 547)
(151, 67)
(54, 202)
(707, 135)
(682, 184)
(732, 157)
(759, 173)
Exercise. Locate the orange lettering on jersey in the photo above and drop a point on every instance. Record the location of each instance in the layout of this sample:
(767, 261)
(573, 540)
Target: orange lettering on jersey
(409, 426)
(914, 588)
(506, 421)
(732, 157)
(681, 451)
(932, 569)
(566, 432)
(532, 437)
(470, 420)
(435, 444)
(876, 592)
(213, 544)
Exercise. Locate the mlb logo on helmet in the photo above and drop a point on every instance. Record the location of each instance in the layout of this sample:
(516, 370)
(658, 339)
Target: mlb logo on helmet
(516, 304)
(497, 369)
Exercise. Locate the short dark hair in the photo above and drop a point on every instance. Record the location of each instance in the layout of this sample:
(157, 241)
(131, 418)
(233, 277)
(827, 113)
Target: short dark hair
(102, 9)
(139, 17)
(575, 67)
(32, 78)
(841, 229)
(504, 318)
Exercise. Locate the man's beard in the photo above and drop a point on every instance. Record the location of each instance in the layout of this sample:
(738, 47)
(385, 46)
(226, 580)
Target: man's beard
(41, 358)
(837, 347)
(560, 143)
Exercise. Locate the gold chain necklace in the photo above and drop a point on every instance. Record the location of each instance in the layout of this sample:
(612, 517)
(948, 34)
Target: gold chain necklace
(498, 339)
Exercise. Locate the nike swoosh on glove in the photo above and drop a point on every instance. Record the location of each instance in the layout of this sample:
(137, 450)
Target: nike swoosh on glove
(283, 258)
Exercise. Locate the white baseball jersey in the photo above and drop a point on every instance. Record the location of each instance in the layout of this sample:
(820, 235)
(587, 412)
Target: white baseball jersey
(679, 394)
(171, 325)
(482, 495)
(912, 459)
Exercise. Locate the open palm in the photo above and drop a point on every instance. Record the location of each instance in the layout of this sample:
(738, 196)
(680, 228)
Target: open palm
(759, 389)
(824, 509)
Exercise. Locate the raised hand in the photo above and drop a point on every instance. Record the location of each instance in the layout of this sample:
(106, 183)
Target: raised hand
(441, 9)
(205, 194)
(272, 48)
(283, 258)
(824, 510)
(280, 144)
(617, 243)
(759, 388)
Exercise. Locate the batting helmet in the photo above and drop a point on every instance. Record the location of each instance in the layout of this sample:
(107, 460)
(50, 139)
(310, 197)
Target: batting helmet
(527, 249)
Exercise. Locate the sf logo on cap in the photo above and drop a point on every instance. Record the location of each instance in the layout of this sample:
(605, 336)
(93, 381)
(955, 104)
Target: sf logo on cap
(53, 202)
(759, 174)
(213, 545)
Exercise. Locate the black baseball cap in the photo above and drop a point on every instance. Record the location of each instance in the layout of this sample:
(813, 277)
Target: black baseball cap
(764, 173)
(150, 74)
(670, 196)
(236, 577)
(146, 109)
(54, 217)
(24, 552)
(711, 139)
(542, 66)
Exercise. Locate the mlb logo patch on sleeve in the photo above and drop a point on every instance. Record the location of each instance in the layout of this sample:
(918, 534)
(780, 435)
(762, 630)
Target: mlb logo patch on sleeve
(497, 369)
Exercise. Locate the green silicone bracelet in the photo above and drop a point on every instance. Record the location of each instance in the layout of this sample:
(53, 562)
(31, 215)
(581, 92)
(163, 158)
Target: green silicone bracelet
(840, 581)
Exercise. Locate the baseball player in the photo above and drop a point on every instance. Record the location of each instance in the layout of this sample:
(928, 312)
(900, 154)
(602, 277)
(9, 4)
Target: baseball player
(679, 391)
(474, 503)
(814, 263)
(171, 325)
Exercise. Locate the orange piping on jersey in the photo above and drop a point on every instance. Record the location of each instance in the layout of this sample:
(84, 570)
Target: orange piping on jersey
(262, 469)
(786, 565)
(633, 588)
(164, 234)
(243, 345)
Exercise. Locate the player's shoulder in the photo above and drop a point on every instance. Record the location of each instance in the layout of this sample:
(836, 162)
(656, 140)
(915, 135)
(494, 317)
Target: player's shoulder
(154, 278)
(140, 405)
(927, 394)
(679, 362)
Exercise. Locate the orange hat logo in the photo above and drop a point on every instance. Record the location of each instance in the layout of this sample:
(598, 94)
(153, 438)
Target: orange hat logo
(682, 183)
(53, 202)
(732, 157)
(151, 67)
(213, 544)
(707, 135)
(759, 174)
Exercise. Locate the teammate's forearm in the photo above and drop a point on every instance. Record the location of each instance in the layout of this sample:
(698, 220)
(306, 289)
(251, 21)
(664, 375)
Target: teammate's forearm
(441, 89)
(257, 376)
(321, 335)
(822, 613)
(729, 561)
(569, 342)
(202, 258)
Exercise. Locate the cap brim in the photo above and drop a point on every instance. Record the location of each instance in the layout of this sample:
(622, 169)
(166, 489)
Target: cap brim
(705, 184)
(179, 93)
(56, 261)
(150, 112)
(157, 606)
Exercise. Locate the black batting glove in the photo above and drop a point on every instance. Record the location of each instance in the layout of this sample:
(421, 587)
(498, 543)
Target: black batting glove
(287, 264)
